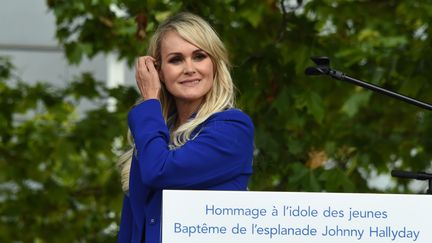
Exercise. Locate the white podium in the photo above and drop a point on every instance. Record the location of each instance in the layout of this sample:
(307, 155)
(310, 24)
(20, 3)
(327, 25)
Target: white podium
(276, 217)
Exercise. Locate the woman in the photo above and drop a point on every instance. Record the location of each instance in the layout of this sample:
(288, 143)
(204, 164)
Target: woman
(185, 132)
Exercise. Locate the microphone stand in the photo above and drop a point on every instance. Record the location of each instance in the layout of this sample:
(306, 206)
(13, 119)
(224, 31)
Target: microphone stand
(323, 68)
(414, 175)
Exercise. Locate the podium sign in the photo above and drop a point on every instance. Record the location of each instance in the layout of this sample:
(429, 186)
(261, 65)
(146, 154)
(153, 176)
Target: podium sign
(259, 217)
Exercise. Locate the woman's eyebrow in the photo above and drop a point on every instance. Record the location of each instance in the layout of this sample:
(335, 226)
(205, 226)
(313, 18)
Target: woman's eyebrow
(174, 53)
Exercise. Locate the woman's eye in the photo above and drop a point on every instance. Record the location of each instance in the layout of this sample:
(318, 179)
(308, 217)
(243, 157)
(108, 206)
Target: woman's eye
(175, 60)
(200, 56)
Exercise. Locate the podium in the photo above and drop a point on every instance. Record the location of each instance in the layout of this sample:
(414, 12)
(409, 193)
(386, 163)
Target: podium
(276, 217)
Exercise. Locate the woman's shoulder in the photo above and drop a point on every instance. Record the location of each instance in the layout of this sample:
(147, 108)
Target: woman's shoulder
(232, 114)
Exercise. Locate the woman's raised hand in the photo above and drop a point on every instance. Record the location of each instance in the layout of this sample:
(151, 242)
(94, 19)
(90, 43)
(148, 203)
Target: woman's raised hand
(147, 78)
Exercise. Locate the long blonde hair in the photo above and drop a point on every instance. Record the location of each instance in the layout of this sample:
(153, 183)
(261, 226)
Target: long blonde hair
(198, 32)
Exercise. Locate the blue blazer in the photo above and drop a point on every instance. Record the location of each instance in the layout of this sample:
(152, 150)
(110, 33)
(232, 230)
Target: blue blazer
(218, 158)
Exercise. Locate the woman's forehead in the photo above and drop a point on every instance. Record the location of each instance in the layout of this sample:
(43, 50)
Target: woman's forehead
(172, 42)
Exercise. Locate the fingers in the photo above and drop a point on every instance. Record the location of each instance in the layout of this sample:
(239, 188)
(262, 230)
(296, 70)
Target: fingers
(147, 77)
(150, 63)
(145, 65)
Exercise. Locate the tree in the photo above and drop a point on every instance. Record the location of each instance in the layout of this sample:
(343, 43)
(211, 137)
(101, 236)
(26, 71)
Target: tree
(312, 134)
(322, 135)
(58, 176)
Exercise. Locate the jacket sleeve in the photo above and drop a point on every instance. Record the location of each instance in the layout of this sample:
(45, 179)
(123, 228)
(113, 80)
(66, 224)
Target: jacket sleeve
(222, 150)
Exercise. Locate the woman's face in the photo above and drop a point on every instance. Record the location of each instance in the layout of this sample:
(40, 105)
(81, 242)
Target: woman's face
(186, 70)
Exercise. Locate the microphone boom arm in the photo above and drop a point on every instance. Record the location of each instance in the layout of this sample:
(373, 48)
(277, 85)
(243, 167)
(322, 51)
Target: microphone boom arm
(323, 68)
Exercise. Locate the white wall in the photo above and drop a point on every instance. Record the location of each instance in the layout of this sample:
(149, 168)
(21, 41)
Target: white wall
(27, 36)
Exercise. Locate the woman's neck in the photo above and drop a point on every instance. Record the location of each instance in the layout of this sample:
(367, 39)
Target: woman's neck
(185, 110)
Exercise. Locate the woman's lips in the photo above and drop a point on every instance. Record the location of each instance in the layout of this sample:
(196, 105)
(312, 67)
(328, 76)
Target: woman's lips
(192, 82)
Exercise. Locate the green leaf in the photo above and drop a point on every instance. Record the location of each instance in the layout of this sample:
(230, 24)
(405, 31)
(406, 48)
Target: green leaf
(313, 103)
(355, 102)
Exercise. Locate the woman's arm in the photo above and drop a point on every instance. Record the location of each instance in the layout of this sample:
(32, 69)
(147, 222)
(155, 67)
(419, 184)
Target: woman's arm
(222, 150)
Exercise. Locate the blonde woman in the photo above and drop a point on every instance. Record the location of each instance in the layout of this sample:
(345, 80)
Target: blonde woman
(185, 132)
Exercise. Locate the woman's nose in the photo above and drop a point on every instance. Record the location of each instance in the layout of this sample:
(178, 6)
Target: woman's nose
(189, 67)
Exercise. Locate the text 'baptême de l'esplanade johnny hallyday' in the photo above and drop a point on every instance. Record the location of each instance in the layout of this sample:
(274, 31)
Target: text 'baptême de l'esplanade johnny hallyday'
(387, 232)
(335, 231)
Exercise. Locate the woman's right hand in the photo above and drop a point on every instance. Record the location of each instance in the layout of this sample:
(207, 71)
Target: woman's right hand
(147, 78)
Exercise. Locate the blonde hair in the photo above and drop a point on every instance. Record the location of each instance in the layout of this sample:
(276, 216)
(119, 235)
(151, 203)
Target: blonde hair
(198, 32)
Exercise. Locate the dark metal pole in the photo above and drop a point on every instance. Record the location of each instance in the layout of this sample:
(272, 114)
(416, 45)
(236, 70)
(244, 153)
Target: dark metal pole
(323, 68)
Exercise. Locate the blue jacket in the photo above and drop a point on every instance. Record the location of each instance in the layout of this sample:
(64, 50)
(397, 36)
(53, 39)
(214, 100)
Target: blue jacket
(219, 158)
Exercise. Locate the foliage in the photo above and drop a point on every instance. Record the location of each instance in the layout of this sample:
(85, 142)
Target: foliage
(312, 134)
(58, 178)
